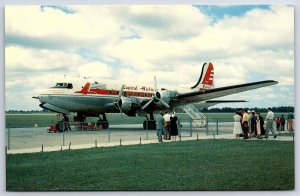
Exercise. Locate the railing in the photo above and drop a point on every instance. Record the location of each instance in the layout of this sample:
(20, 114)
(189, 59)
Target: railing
(25, 136)
(193, 112)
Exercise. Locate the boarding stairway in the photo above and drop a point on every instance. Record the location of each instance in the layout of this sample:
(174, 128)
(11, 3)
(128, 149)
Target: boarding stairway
(195, 114)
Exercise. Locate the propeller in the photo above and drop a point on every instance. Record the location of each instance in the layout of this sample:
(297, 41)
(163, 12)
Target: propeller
(155, 97)
(118, 102)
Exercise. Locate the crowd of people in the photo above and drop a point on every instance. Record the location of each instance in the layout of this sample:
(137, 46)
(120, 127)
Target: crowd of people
(167, 126)
(252, 124)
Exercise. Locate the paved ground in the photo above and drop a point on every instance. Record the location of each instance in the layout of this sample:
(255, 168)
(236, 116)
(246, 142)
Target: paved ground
(37, 139)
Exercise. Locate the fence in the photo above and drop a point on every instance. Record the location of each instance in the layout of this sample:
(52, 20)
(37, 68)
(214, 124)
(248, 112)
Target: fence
(25, 136)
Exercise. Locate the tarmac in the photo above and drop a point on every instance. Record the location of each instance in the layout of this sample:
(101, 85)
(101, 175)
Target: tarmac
(33, 140)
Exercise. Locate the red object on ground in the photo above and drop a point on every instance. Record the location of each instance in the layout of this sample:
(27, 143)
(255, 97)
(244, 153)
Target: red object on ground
(53, 128)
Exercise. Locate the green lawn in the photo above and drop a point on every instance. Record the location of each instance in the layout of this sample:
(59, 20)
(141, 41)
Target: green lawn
(192, 165)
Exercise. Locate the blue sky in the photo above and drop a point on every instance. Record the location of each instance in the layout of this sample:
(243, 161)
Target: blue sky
(218, 12)
(131, 44)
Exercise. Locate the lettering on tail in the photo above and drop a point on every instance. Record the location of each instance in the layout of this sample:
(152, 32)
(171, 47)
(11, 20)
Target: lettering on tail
(206, 79)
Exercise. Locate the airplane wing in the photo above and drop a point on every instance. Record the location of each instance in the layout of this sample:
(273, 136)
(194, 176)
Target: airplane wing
(193, 97)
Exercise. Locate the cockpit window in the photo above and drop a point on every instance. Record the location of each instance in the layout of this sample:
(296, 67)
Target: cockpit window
(63, 85)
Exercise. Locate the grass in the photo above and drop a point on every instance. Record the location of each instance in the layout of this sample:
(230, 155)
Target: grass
(192, 165)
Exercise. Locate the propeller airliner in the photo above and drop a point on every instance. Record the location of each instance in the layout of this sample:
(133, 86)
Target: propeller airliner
(98, 99)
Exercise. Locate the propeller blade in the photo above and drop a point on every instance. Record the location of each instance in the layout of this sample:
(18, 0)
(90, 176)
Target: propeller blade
(121, 112)
(120, 93)
(164, 103)
(119, 99)
(147, 104)
(155, 85)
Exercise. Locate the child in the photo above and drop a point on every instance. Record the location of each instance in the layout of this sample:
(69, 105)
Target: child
(278, 122)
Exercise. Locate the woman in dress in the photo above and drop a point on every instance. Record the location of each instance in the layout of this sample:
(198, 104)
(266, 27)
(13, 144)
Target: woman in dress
(237, 128)
(259, 125)
(173, 126)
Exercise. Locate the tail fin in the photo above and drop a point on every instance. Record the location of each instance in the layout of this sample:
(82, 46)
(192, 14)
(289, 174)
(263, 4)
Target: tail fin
(206, 79)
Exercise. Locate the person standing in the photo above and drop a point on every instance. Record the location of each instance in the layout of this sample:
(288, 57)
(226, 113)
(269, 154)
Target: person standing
(245, 125)
(249, 122)
(173, 126)
(66, 120)
(167, 117)
(159, 126)
(253, 123)
(278, 122)
(237, 127)
(290, 118)
(269, 124)
(259, 125)
(282, 123)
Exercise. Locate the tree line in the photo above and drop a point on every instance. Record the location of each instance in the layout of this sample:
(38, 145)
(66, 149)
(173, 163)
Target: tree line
(283, 109)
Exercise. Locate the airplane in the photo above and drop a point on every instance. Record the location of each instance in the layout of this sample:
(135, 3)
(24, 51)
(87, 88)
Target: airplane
(98, 99)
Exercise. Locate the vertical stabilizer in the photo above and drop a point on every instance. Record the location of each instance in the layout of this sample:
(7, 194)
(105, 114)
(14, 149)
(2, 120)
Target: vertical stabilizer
(206, 79)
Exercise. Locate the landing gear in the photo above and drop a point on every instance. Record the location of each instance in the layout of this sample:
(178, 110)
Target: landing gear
(63, 125)
(150, 124)
(103, 122)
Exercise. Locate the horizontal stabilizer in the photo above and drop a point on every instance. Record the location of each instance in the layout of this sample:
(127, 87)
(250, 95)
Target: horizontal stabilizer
(224, 101)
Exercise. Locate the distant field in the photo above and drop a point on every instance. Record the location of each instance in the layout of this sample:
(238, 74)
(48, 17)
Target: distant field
(195, 165)
(42, 119)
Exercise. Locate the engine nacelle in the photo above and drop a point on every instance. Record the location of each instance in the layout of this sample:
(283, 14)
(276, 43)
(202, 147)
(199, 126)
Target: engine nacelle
(163, 95)
(129, 105)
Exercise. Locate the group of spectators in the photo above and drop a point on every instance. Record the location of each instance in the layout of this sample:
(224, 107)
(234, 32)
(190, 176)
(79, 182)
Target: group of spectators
(167, 126)
(252, 124)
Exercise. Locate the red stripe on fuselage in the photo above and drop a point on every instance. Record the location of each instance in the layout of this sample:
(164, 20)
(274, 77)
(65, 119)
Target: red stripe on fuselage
(115, 92)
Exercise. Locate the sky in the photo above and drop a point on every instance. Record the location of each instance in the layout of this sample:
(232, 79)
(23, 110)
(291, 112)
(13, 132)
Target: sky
(131, 44)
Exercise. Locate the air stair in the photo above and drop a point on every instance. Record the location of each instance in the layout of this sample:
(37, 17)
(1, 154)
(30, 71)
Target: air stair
(199, 119)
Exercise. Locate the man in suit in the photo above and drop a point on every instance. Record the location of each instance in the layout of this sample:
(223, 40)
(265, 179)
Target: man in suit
(159, 126)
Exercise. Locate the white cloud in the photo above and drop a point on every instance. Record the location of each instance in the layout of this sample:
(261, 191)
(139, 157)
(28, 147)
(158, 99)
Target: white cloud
(134, 43)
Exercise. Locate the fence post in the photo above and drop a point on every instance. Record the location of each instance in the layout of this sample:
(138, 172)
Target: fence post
(95, 143)
(147, 122)
(217, 126)
(70, 146)
(8, 138)
(147, 137)
(108, 132)
(191, 127)
(42, 148)
(63, 137)
(140, 140)
(120, 142)
(206, 126)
